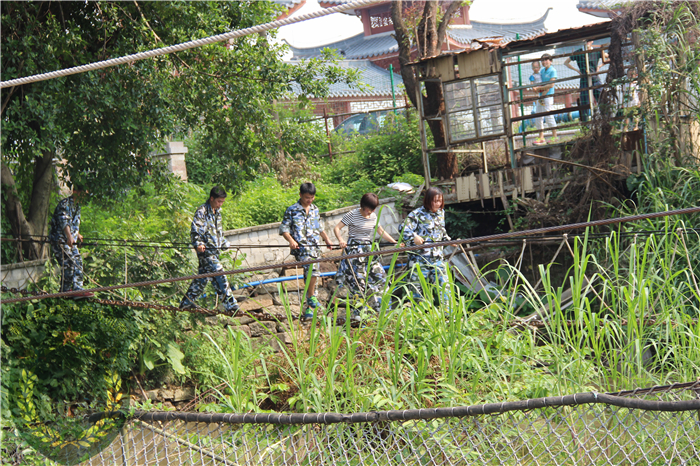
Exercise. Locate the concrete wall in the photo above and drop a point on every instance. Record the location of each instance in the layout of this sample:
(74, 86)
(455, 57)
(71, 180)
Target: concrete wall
(268, 234)
(20, 275)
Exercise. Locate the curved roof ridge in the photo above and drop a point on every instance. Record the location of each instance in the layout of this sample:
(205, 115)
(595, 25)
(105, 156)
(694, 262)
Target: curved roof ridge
(536, 22)
(350, 40)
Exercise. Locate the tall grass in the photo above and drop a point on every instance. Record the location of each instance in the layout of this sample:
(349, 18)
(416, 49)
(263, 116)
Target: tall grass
(632, 322)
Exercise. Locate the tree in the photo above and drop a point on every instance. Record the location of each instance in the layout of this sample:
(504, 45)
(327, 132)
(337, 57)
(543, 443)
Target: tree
(101, 125)
(428, 39)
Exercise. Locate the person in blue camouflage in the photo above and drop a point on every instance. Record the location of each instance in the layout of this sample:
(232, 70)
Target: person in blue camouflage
(302, 228)
(426, 224)
(208, 240)
(64, 235)
(363, 276)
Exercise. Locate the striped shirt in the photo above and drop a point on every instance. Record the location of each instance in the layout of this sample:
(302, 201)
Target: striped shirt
(359, 227)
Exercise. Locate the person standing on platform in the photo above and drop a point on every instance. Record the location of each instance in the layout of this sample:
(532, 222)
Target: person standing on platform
(547, 73)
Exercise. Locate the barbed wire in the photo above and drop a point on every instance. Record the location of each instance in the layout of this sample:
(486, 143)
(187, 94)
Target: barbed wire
(381, 252)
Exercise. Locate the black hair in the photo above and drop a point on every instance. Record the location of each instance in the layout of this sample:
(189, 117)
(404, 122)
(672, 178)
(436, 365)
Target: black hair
(431, 194)
(217, 192)
(369, 200)
(546, 56)
(307, 188)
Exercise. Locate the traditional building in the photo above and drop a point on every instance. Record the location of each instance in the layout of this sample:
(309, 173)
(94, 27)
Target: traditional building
(375, 51)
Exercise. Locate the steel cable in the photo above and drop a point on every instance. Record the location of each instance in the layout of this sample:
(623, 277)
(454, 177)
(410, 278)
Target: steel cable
(572, 226)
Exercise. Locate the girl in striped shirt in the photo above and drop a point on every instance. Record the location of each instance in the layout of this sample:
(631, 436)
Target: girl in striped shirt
(364, 276)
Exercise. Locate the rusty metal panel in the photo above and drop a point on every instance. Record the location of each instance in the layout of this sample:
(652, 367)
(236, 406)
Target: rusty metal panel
(474, 64)
(462, 189)
(485, 186)
(445, 68)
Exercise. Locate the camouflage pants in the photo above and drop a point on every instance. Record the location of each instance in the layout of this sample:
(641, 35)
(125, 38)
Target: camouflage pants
(434, 272)
(308, 254)
(367, 282)
(209, 264)
(68, 257)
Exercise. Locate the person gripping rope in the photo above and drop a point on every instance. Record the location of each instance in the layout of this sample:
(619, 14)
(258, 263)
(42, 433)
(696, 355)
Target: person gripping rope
(363, 276)
(64, 235)
(426, 224)
(208, 240)
(302, 228)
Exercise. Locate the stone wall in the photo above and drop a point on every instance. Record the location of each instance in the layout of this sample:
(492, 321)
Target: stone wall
(268, 234)
(20, 275)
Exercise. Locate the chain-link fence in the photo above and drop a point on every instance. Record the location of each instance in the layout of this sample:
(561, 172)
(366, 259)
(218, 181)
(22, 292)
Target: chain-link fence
(654, 426)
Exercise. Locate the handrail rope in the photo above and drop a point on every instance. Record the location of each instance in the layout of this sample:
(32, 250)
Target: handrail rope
(618, 399)
(572, 226)
(184, 246)
(185, 45)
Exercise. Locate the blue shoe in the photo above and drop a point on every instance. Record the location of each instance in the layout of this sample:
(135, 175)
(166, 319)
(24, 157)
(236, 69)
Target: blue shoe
(313, 302)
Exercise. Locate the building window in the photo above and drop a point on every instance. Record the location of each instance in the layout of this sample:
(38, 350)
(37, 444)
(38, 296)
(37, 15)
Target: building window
(474, 108)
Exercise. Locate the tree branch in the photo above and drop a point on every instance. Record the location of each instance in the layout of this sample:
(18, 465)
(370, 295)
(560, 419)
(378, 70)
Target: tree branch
(445, 21)
(402, 38)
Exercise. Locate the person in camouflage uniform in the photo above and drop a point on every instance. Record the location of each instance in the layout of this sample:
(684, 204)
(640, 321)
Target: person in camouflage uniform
(64, 234)
(208, 240)
(363, 276)
(302, 228)
(426, 224)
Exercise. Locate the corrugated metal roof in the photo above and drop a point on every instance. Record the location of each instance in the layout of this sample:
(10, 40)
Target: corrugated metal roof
(376, 79)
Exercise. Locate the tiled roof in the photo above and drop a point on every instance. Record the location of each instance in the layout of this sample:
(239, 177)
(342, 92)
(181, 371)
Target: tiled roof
(480, 30)
(359, 46)
(288, 3)
(355, 47)
(376, 79)
(600, 8)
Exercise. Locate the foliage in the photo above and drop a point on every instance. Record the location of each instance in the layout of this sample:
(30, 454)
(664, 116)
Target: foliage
(459, 224)
(69, 346)
(264, 200)
(104, 124)
(669, 79)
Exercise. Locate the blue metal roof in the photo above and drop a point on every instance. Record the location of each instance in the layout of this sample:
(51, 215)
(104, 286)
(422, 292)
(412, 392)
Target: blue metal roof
(376, 79)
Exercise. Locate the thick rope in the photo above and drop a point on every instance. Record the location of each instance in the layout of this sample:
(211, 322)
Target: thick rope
(184, 46)
(572, 226)
(618, 399)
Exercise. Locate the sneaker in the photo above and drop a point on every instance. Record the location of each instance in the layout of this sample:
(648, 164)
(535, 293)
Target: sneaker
(313, 302)
(233, 309)
(83, 295)
(540, 142)
(307, 316)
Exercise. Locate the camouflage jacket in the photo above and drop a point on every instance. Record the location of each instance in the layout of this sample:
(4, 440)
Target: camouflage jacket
(304, 228)
(67, 213)
(429, 226)
(207, 230)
